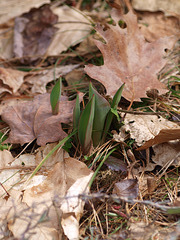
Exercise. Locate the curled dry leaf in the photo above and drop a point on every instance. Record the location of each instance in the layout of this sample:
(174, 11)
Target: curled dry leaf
(127, 188)
(34, 119)
(10, 80)
(164, 135)
(129, 59)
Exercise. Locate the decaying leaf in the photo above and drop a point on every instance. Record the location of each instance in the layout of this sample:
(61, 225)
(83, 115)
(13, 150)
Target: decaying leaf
(10, 80)
(34, 119)
(72, 208)
(127, 188)
(143, 128)
(33, 32)
(166, 154)
(129, 59)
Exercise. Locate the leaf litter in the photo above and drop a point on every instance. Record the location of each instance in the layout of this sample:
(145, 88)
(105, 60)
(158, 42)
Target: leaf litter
(57, 193)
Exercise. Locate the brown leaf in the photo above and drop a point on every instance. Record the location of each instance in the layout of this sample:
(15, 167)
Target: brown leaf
(34, 119)
(33, 32)
(127, 188)
(164, 135)
(129, 59)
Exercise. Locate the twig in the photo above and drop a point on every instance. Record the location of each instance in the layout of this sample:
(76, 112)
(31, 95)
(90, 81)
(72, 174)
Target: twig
(140, 113)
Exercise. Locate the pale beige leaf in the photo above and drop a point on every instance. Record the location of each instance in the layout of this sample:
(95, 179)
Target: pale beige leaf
(11, 79)
(69, 176)
(12, 8)
(169, 7)
(129, 59)
(72, 207)
(73, 28)
(6, 41)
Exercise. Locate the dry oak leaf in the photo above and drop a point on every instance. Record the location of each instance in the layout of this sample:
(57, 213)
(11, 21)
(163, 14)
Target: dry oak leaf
(129, 59)
(34, 119)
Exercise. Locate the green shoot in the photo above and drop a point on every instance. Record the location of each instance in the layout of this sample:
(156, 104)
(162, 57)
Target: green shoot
(76, 116)
(86, 125)
(55, 97)
(102, 107)
(114, 105)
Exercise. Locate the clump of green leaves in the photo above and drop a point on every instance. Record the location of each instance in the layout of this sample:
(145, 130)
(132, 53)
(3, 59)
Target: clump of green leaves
(93, 123)
(95, 120)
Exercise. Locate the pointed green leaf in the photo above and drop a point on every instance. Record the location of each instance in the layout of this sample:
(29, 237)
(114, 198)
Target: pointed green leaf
(55, 97)
(102, 108)
(86, 125)
(114, 105)
(117, 97)
(76, 113)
